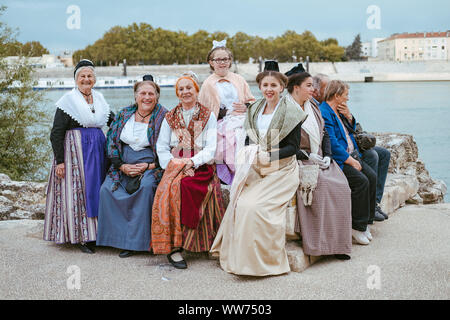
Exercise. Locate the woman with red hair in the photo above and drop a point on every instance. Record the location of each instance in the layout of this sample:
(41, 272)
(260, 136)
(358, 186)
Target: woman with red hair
(188, 207)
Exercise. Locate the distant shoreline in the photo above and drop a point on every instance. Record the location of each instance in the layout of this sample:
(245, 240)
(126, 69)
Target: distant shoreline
(355, 71)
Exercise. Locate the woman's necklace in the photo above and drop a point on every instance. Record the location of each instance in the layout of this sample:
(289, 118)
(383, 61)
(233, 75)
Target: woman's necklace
(143, 117)
(86, 97)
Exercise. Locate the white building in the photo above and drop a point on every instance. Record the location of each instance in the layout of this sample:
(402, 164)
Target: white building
(370, 49)
(415, 47)
(45, 61)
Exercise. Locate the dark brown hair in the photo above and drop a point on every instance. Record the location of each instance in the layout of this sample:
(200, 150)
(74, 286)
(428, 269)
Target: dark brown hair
(296, 80)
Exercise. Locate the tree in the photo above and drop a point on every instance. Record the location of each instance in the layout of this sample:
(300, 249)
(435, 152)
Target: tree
(24, 147)
(353, 51)
(332, 53)
(144, 44)
(33, 49)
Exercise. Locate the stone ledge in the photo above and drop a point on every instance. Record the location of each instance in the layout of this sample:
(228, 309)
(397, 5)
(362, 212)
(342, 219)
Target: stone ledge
(408, 182)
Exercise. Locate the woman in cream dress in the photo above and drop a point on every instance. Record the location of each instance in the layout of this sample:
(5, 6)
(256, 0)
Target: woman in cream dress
(251, 238)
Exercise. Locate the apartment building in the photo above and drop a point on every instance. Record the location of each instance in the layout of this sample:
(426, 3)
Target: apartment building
(415, 47)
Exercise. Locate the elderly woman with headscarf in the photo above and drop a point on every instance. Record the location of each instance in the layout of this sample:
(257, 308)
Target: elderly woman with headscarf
(226, 94)
(79, 165)
(188, 207)
(126, 196)
(251, 238)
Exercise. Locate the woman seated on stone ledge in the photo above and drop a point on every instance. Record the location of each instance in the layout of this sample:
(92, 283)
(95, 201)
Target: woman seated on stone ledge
(79, 165)
(188, 206)
(360, 176)
(251, 238)
(323, 217)
(126, 196)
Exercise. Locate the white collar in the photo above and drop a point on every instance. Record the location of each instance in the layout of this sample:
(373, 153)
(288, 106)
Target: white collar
(310, 125)
(73, 104)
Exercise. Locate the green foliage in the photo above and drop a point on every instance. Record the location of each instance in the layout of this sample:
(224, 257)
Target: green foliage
(24, 147)
(28, 49)
(142, 44)
(353, 51)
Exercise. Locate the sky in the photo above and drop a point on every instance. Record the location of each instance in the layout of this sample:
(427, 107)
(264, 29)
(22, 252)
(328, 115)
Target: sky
(59, 29)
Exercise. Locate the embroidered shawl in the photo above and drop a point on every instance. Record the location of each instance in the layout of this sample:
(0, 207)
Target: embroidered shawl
(114, 145)
(187, 136)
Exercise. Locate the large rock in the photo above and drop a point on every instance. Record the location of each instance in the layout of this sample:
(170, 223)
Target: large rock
(21, 199)
(408, 181)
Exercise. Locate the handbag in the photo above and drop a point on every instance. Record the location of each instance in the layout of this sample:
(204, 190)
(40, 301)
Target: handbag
(309, 175)
(134, 184)
(364, 140)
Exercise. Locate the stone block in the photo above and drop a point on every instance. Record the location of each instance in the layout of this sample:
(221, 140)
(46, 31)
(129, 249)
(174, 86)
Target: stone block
(298, 261)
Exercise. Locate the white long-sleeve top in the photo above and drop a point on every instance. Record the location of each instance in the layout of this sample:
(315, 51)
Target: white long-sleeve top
(206, 142)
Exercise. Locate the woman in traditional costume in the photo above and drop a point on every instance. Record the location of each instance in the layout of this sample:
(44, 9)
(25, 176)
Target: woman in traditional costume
(188, 207)
(324, 216)
(126, 196)
(251, 238)
(79, 165)
(226, 94)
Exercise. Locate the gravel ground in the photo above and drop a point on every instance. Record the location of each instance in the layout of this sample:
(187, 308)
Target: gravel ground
(409, 258)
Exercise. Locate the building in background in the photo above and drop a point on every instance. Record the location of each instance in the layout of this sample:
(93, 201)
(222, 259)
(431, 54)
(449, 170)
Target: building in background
(45, 61)
(370, 49)
(415, 47)
(66, 58)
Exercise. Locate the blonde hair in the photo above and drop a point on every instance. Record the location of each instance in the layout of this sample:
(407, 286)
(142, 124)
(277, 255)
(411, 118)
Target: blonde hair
(333, 88)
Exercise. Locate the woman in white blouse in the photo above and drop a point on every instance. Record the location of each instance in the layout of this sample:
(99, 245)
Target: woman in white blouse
(126, 196)
(188, 208)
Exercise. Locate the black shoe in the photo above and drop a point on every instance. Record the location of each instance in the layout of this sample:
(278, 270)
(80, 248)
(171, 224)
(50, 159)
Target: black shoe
(342, 256)
(126, 253)
(177, 264)
(91, 245)
(377, 208)
(85, 249)
(378, 216)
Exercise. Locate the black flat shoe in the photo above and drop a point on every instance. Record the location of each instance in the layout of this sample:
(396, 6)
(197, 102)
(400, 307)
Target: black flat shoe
(85, 249)
(177, 264)
(126, 253)
(91, 245)
(342, 256)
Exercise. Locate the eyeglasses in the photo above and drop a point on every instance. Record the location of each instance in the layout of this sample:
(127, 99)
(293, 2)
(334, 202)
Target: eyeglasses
(224, 60)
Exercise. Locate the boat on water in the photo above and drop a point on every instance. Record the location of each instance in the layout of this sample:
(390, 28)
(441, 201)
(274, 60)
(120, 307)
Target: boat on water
(101, 83)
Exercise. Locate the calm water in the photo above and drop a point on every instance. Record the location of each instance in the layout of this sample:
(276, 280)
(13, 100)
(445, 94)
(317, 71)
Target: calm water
(421, 109)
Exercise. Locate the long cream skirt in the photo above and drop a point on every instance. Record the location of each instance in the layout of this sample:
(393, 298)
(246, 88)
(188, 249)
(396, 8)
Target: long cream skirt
(251, 238)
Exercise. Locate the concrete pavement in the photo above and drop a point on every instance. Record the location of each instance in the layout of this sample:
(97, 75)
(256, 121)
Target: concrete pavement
(409, 258)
